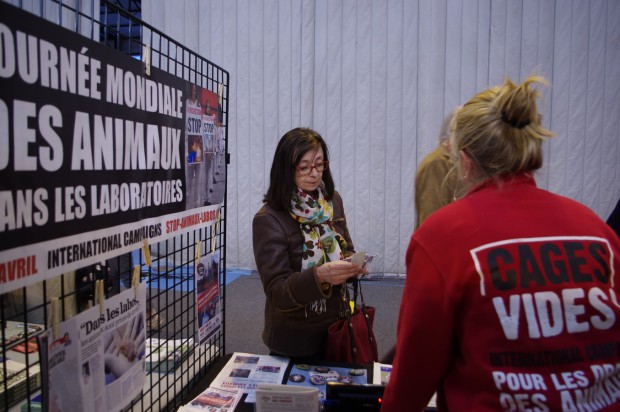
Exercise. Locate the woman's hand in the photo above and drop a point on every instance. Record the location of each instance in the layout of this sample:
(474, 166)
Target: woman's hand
(339, 271)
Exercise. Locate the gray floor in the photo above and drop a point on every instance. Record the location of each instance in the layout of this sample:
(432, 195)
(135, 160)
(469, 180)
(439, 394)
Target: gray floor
(245, 302)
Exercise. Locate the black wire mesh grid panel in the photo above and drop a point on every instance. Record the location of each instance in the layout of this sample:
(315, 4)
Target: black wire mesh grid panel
(25, 313)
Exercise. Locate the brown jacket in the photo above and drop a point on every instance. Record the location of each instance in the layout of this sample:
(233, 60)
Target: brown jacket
(291, 328)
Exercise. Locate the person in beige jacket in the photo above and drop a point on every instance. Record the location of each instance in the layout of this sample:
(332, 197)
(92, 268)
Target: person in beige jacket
(435, 180)
(435, 186)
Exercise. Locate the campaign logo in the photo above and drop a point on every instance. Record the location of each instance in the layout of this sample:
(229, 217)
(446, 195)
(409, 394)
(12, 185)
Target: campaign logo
(546, 286)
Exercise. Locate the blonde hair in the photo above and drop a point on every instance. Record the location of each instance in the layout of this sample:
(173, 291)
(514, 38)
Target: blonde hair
(500, 129)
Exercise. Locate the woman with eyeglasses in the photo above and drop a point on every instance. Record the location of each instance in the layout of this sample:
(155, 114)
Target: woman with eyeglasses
(300, 239)
(511, 296)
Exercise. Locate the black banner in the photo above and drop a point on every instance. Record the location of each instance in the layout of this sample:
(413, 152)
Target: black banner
(88, 142)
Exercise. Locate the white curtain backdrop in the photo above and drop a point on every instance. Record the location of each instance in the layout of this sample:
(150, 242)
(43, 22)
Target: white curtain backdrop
(376, 79)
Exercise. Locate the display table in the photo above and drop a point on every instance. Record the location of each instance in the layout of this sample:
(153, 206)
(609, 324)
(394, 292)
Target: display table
(295, 374)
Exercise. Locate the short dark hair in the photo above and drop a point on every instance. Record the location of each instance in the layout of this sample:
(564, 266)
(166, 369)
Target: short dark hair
(291, 148)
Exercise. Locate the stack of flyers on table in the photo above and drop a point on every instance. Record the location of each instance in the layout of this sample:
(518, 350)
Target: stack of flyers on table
(214, 400)
(245, 371)
(241, 375)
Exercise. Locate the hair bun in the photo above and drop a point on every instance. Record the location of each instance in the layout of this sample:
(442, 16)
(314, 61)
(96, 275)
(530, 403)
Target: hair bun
(517, 103)
(519, 124)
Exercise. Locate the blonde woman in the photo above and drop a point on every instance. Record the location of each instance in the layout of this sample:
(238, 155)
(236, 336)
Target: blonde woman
(510, 301)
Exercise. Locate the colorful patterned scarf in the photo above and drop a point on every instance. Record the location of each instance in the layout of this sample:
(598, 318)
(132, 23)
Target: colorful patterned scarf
(321, 240)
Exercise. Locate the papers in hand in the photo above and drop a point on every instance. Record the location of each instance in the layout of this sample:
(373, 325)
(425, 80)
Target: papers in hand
(360, 259)
(276, 398)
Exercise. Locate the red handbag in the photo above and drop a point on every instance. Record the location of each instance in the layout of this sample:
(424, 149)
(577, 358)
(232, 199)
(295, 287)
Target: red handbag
(351, 339)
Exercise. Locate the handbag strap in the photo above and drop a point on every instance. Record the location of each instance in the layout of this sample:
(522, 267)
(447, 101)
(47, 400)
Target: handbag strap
(352, 339)
(358, 286)
(345, 306)
(345, 313)
(357, 290)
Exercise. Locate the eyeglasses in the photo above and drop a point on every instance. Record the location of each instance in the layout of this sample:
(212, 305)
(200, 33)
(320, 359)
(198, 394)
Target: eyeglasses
(306, 169)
